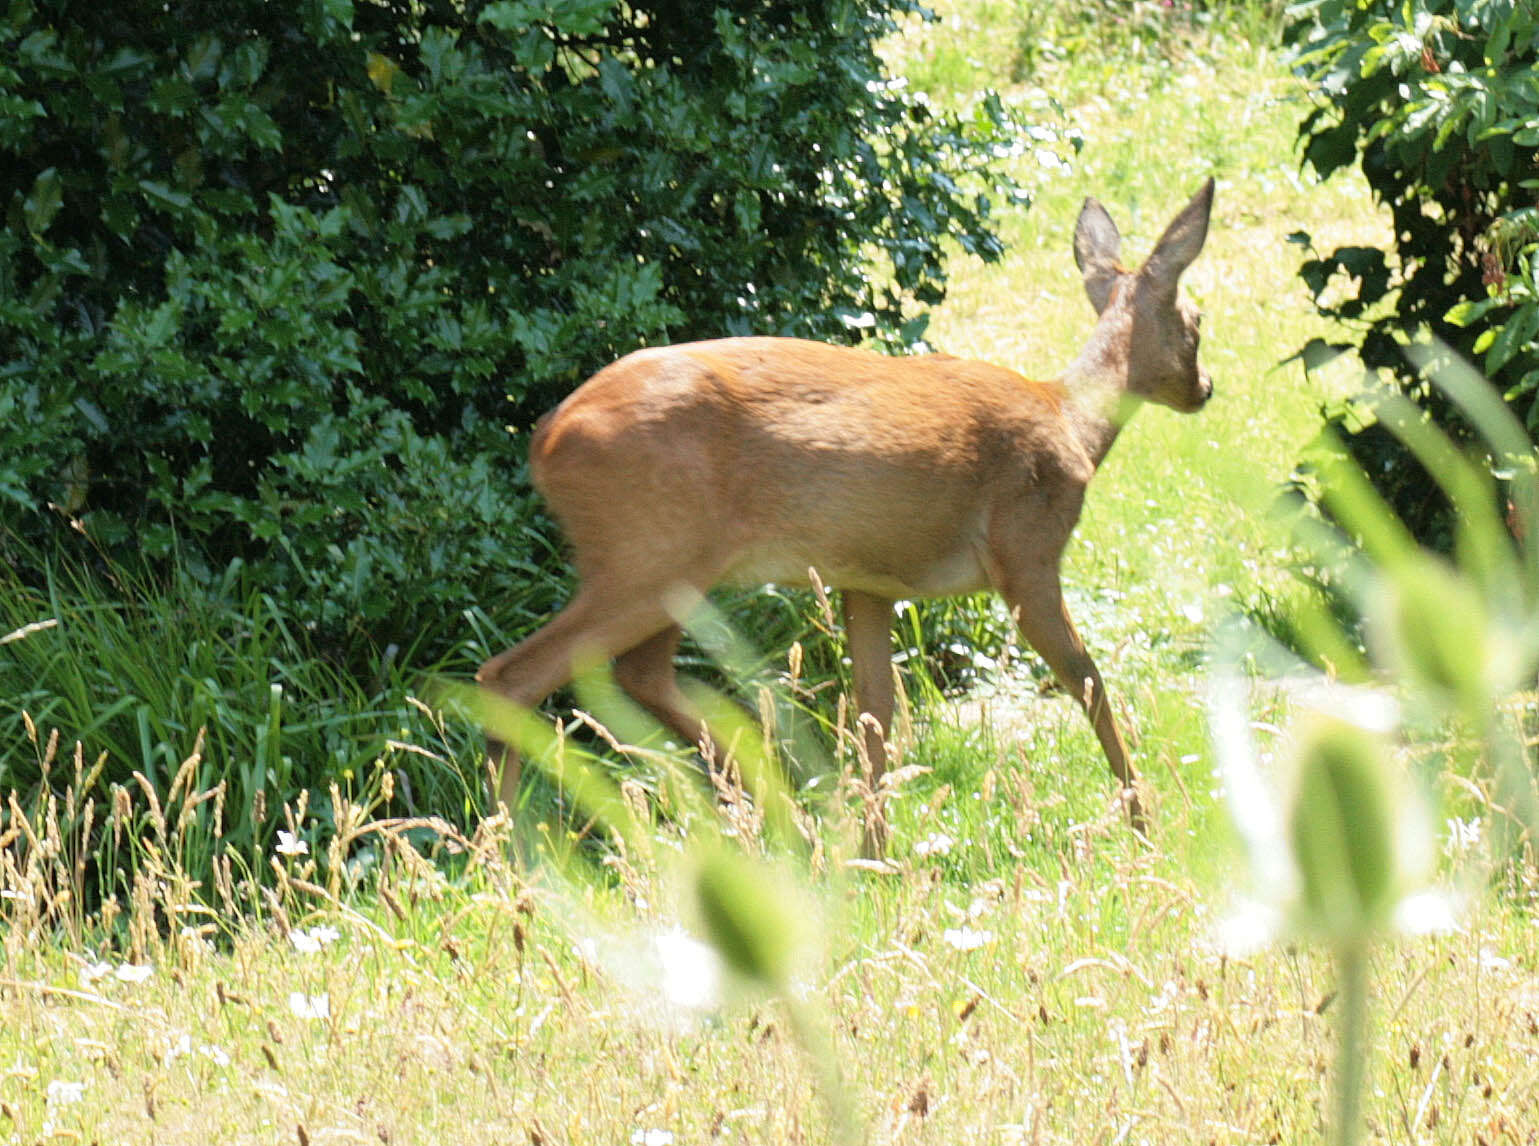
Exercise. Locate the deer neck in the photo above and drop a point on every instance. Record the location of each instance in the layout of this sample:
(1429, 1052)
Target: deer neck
(1099, 403)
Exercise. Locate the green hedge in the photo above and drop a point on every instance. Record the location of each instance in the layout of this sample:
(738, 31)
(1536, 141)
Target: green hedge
(284, 282)
(1436, 101)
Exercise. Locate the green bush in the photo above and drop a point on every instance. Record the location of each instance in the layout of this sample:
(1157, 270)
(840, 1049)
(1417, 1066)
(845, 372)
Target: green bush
(284, 283)
(1435, 100)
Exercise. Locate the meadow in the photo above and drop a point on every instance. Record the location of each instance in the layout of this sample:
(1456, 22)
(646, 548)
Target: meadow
(1021, 969)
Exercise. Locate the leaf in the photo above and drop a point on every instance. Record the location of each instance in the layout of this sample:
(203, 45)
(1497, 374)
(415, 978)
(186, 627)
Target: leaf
(618, 87)
(1470, 311)
(1514, 337)
(126, 63)
(382, 70)
(261, 129)
(172, 96)
(507, 15)
(582, 17)
(1317, 353)
(93, 414)
(567, 17)
(45, 201)
(339, 12)
(202, 59)
(534, 50)
(165, 197)
(1332, 148)
(40, 52)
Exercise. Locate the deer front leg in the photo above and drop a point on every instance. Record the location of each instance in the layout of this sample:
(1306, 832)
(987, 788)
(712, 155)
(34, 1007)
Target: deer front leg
(1037, 601)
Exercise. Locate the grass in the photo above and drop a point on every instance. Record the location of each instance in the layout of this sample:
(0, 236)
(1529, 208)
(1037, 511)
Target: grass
(1077, 1004)
(1023, 972)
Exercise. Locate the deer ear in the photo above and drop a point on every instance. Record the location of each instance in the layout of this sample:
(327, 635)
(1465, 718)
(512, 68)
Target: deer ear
(1181, 242)
(1097, 244)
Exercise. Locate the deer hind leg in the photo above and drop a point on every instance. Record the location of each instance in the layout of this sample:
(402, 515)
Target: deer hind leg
(1038, 605)
(594, 627)
(646, 672)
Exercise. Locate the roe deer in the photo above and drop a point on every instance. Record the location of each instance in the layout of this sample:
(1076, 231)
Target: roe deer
(751, 460)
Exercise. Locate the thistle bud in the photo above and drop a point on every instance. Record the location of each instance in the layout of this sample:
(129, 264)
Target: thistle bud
(745, 919)
(1342, 827)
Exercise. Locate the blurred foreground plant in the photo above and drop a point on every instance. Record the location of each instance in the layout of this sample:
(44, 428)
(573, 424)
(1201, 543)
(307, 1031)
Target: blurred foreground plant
(738, 840)
(1345, 858)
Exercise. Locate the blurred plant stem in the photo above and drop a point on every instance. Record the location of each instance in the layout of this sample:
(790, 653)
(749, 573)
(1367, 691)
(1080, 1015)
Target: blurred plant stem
(1352, 1045)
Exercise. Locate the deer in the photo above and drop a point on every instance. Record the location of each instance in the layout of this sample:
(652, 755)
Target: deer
(756, 460)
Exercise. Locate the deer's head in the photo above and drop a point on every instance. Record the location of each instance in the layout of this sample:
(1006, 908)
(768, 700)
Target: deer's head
(1153, 330)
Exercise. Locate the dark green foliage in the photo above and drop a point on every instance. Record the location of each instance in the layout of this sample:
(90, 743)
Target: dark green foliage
(285, 282)
(1436, 101)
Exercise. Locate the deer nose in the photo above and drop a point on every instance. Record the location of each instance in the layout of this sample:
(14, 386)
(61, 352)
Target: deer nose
(1204, 387)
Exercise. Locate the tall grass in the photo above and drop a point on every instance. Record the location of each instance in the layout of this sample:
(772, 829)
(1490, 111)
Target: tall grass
(137, 707)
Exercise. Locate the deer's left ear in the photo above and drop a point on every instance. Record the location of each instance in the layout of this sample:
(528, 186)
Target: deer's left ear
(1181, 243)
(1097, 244)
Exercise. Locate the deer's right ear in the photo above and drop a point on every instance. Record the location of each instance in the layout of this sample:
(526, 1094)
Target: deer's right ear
(1097, 243)
(1181, 242)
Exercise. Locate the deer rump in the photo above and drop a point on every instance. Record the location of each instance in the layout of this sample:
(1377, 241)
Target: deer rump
(752, 460)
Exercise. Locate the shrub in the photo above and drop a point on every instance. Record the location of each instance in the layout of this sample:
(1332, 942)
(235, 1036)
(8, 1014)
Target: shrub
(1435, 101)
(284, 283)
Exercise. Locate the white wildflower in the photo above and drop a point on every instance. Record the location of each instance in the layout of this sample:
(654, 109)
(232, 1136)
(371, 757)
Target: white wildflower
(303, 942)
(310, 940)
(966, 938)
(93, 970)
(1248, 927)
(1429, 911)
(182, 1046)
(134, 972)
(1463, 836)
(291, 845)
(216, 1055)
(1490, 961)
(690, 970)
(310, 1006)
(934, 844)
(61, 1093)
